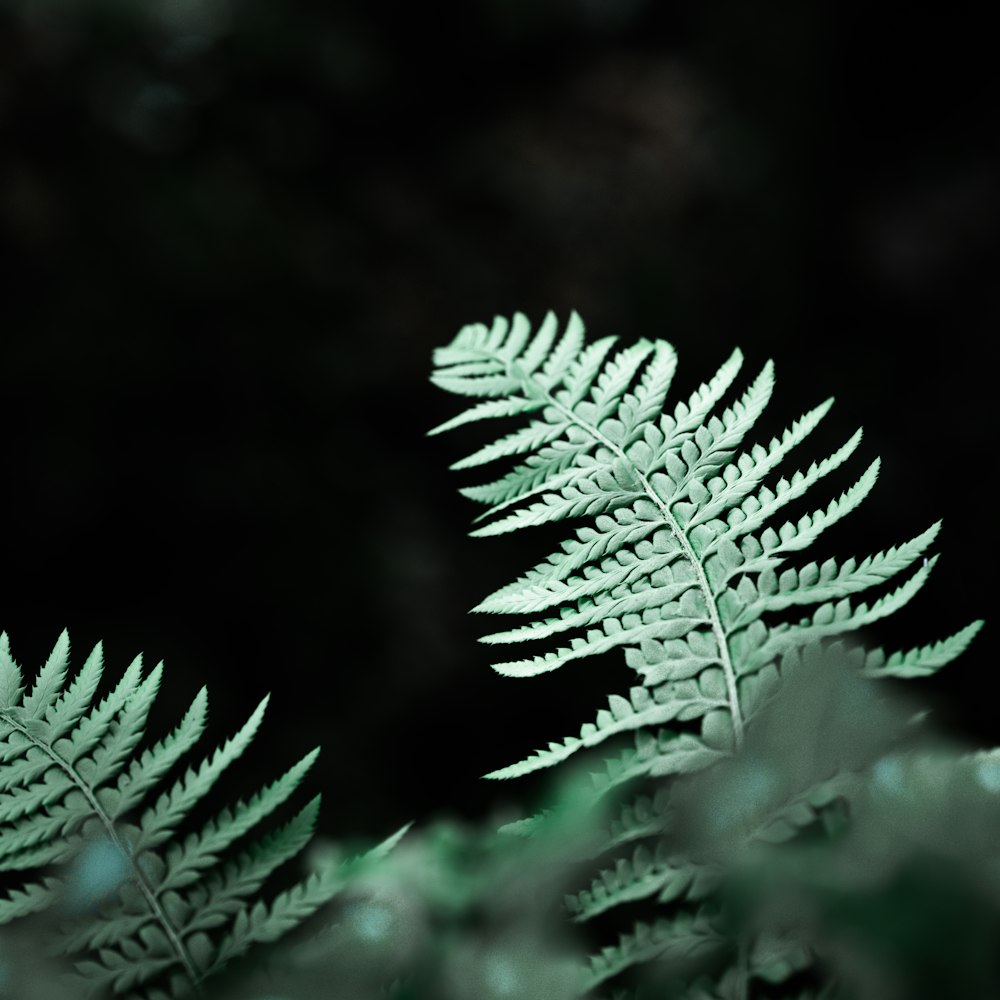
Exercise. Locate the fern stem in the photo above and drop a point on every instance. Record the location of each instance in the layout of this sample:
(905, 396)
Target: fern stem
(144, 887)
(735, 711)
(721, 639)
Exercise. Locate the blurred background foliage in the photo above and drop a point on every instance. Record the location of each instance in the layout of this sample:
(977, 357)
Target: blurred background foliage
(233, 230)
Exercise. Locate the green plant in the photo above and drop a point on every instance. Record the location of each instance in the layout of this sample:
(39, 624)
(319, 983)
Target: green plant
(143, 910)
(752, 727)
(683, 563)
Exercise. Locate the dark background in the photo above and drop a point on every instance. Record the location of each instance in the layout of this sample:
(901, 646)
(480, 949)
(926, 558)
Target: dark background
(233, 232)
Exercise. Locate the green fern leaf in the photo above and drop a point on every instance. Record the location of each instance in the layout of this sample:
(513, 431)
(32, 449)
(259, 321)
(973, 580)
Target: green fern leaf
(680, 561)
(670, 604)
(150, 915)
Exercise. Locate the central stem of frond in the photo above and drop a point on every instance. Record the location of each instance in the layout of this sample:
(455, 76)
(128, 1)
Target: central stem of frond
(148, 893)
(735, 711)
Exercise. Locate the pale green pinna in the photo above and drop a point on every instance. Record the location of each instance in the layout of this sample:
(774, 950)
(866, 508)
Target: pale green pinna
(681, 561)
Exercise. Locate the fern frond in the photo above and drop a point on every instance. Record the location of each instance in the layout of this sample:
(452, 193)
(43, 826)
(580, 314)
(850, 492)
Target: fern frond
(671, 603)
(681, 559)
(148, 908)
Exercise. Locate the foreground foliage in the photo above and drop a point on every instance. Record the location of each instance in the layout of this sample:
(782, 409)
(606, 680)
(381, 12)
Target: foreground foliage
(767, 822)
(143, 910)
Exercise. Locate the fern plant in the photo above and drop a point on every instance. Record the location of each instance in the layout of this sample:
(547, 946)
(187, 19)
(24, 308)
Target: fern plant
(683, 561)
(143, 910)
